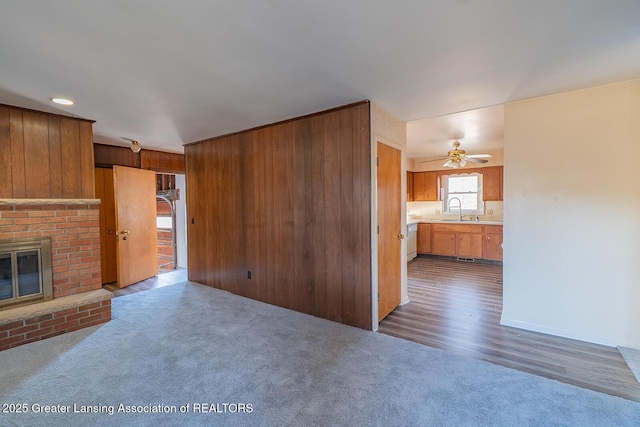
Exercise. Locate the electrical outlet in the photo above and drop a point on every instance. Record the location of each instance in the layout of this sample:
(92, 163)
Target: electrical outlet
(489, 211)
(437, 211)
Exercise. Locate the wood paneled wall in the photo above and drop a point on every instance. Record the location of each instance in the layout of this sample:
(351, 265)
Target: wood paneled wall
(45, 155)
(287, 205)
(161, 161)
(106, 156)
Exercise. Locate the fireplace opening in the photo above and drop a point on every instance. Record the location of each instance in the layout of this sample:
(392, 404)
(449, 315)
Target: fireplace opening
(25, 272)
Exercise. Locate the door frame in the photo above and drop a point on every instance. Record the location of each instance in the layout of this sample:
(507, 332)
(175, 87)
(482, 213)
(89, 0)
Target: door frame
(404, 295)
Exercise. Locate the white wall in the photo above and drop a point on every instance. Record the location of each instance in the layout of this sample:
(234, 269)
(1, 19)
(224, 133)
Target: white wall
(181, 222)
(572, 214)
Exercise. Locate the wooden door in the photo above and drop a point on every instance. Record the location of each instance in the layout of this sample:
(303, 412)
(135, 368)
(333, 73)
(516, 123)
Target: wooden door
(389, 231)
(470, 245)
(108, 250)
(135, 203)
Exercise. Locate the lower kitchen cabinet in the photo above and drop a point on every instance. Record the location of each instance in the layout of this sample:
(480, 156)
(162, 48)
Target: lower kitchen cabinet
(424, 238)
(461, 240)
(444, 243)
(492, 245)
(469, 245)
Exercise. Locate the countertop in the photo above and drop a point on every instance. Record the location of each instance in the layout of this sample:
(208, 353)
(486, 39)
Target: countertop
(444, 221)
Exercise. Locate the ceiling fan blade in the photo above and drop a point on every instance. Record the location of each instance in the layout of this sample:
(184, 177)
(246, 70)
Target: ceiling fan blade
(475, 159)
(434, 160)
(479, 156)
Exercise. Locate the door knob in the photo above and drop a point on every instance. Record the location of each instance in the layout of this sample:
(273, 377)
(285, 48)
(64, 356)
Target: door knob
(400, 236)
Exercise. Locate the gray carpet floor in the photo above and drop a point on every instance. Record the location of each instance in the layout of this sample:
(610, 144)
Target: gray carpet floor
(192, 345)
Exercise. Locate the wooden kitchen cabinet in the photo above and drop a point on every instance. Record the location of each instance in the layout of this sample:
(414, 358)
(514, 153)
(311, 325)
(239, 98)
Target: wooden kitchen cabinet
(469, 245)
(409, 186)
(444, 243)
(463, 240)
(492, 183)
(425, 186)
(424, 238)
(492, 244)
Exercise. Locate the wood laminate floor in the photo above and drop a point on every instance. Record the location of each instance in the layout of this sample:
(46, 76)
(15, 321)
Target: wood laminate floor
(456, 306)
(165, 279)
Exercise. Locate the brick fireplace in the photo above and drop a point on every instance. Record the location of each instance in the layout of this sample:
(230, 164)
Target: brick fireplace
(78, 298)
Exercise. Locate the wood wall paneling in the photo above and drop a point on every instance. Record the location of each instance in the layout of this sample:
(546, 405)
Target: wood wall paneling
(36, 155)
(87, 177)
(39, 153)
(289, 203)
(332, 215)
(55, 156)
(349, 128)
(17, 154)
(106, 156)
(319, 242)
(108, 240)
(302, 215)
(71, 172)
(161, 161)
(6, 190)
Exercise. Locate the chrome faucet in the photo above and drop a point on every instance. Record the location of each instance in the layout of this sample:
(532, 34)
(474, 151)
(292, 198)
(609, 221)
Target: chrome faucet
(459, 207)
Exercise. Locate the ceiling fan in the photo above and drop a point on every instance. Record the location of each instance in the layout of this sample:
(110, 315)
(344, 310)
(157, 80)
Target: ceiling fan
(457, 158)
(135, 145)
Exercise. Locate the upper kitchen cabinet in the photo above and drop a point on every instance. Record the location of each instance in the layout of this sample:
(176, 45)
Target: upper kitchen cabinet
(409, 186)
(492, 183)
(425, 186)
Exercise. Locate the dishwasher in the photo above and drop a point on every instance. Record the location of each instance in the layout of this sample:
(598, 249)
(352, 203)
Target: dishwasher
(412, 241)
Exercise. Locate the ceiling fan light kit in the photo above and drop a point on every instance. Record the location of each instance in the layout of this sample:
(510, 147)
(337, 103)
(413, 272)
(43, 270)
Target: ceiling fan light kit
(457, 158)
(135, 146)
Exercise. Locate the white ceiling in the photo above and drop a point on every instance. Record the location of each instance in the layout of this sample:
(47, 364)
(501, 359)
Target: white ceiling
(169, 72)
(477, 131)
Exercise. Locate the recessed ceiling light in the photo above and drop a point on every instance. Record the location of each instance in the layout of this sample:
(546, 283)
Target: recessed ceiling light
(62, 101)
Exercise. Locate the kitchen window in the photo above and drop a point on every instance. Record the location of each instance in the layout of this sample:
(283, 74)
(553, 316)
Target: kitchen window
(467, 188)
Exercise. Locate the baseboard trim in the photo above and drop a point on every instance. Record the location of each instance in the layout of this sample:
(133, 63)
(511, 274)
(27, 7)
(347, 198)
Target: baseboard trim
(591, 338)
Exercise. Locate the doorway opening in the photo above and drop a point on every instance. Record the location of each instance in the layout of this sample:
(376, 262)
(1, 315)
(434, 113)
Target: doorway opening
(166, 196)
